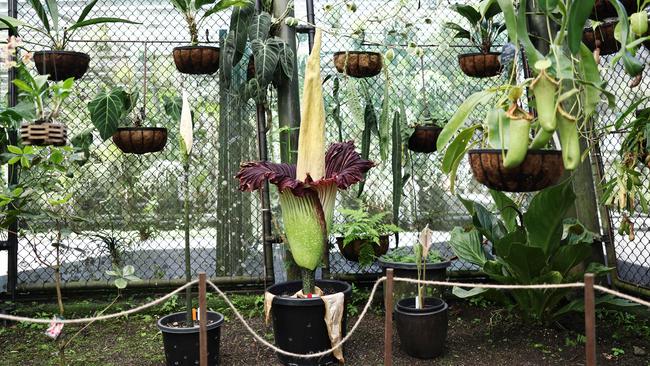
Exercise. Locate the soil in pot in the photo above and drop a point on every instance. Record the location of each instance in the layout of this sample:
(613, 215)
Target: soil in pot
(480, 65)
(603, 9)
(43, 134)
(140, 140)
(540, 169)
(422, 332)
(602, 36)
(352, 251)
(299, 325)
(196, 60)
(182, 344)
(424, 139)
(61, 65)
(358, 64)
(403, 290)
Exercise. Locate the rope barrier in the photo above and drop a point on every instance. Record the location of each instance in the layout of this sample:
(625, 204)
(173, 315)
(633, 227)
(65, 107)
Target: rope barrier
(354, 327)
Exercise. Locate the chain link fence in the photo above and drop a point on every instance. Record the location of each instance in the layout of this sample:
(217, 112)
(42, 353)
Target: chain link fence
(138, 199)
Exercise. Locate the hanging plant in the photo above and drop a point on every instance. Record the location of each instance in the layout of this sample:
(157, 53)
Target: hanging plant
(481, 33)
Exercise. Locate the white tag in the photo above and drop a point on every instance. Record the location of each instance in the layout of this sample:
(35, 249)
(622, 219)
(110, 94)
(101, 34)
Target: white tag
(417, 302)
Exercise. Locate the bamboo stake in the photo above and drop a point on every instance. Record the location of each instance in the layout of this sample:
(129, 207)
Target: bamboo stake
(590, 320)
(388, 326)
(203, 322)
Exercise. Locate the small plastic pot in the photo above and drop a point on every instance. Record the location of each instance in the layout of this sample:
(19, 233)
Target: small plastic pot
(422, 332)
(182, 344)
(540, 169)
(480, 65)
(61, 65)
(196, 60)
(299, 324)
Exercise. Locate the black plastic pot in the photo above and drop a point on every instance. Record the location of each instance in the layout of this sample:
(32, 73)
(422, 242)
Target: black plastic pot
(422, 332)
(182, 344)
(403, 290)
(299, 324)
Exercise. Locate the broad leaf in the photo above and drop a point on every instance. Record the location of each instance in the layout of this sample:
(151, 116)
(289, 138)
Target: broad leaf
(286, 60)
(93, 21)
(468, 12)
(240, 19)
(507, 208)
(467, 246)
(457, 148)
(267, 56)
(106, 113)
(488, 224)
(545, 215)
(568, 256)
(225, 4)
(578, 14)
(461, 115)
(173, 107)
(260, 27)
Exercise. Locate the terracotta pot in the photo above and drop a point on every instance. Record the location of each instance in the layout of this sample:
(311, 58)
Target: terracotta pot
(604, 35)
(196, 60)
(424, 139)
(603, 9)
(480, 65)
(360, 64)
(353, 249)
(540, 169)
(43, 134)
(140, 140)
(61, 65)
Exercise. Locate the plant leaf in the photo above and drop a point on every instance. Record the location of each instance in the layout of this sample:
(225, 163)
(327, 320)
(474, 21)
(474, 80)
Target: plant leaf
(105, 113)
(240, 19)
(260, 27)
(461, 115)
(93, 21)
(53, 9)
(267, 56)
(40, 12)
(86, 10)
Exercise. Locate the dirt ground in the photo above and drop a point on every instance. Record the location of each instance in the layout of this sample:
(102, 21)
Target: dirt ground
(479, 334)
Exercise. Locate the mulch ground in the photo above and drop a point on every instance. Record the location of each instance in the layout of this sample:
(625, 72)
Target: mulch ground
(478, 335)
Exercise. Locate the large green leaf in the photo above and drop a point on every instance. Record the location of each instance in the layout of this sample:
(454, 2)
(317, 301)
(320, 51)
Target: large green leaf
(457, 148)
(545, 215)
(102, 20)
(468, 12)
(259, 28)
(578, 14)
(507, 208)
(240, 19)
(106, 111)
(286, 60)
(508, 9)
(488, 224)
(467, 246)
(267, 56)
(525, 262)
(41, 13)
(568, 256)
(173, 107)
(53, 9)
(588, 69)
(225, 4)
(461, 114)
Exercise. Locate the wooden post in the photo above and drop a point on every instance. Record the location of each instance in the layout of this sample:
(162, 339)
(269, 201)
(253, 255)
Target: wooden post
(203, 322)
(590, 320)
(388, 326)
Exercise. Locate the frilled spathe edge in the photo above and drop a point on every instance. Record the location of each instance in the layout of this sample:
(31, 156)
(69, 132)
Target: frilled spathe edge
(343, 167)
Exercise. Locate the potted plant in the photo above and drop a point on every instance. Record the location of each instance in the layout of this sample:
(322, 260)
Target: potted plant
(196, 59)
(421, 321)
(363, 236)
(534, 245)
(307, 195)
(510, 160)
(109, 112)
(404, 262)
(180, 330)
(59, 63)
(42, 102)
(425, 134)
(625, 189)
(481, 33)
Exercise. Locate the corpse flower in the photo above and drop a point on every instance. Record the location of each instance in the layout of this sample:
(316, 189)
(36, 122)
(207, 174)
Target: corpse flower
(308, 189)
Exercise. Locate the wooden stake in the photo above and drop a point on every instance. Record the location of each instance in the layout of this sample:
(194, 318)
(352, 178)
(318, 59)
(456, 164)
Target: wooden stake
(590, 320)
(388, 326)
(203, 322)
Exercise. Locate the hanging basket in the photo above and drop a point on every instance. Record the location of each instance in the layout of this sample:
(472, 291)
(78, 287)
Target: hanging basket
(424, 139)
(140, 140)
(480, 65)
(604, 36)
(61, 65)
(540, 169)
(603, 9)
(196, 60)
(358, 64)
(43, 134)
(352, 251)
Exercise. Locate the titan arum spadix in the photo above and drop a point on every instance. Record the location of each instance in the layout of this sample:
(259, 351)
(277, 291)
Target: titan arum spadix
(308, 189)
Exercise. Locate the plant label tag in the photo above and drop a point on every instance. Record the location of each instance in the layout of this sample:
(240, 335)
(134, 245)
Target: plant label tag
(417, 302)
(55, 328)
